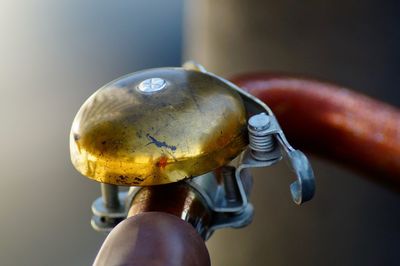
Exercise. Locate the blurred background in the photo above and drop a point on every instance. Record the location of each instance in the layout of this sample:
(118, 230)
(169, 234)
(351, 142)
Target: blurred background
(54, 54)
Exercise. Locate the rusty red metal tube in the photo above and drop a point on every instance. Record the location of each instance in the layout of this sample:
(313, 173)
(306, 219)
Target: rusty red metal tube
(333, 121)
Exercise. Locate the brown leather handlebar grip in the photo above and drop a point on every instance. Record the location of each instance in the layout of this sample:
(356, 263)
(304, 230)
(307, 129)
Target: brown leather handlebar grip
(333, 121)
(153, 238)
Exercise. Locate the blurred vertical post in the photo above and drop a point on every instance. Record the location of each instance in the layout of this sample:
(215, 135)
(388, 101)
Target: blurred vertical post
(348, 42)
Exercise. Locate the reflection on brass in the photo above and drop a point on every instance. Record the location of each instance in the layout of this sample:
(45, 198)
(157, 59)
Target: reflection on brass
(128, 134)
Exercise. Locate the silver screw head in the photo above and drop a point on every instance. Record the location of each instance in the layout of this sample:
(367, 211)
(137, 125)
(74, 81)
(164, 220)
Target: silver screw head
(152, 85)
(259, 122)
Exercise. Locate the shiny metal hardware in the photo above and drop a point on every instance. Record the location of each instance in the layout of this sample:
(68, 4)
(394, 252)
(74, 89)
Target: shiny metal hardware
(262, 129)
(226, 202)
(152, 85)
(114, 140)
(261, 141)
(104, 217)
(303, 188)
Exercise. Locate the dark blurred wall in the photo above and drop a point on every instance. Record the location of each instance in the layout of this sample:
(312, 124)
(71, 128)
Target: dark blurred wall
(351, 221)
(53, 55)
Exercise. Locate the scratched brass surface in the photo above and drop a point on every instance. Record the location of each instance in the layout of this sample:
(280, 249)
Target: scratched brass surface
(125, 137)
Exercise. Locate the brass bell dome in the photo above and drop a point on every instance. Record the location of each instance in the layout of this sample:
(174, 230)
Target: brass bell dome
(158, 126)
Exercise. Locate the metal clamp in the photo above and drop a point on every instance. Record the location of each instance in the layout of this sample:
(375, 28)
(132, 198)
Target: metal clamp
(223, 192)
(227, 200)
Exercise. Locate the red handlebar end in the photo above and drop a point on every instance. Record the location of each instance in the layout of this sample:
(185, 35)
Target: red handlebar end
(153, 238)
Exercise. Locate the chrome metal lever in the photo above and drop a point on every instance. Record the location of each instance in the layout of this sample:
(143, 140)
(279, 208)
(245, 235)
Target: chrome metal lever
(264, 133)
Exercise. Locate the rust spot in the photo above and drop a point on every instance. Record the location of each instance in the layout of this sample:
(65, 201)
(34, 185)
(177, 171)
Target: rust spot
(162, 162)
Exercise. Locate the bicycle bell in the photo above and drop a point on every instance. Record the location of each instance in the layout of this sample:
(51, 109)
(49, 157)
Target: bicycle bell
(167, 125)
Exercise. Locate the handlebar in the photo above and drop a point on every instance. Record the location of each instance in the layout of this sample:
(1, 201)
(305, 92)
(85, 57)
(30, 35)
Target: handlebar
(153, 238)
